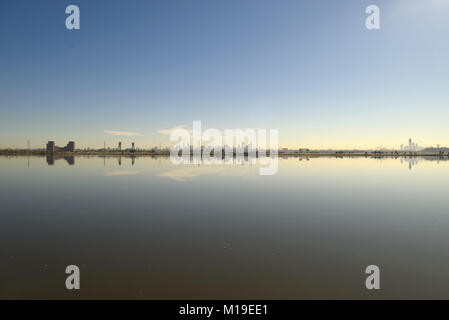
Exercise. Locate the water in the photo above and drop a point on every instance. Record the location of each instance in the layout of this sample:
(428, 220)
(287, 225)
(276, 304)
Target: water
(152, 230)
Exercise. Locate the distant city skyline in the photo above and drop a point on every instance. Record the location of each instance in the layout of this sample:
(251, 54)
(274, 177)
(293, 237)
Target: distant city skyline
(51, 146)
(308, 68)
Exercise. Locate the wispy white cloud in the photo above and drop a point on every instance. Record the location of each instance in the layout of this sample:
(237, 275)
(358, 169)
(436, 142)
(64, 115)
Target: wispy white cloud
(168, 131)
(122, 133)
(120, 173)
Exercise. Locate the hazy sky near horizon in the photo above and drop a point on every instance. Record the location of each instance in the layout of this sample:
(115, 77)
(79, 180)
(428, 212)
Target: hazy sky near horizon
(308, 68)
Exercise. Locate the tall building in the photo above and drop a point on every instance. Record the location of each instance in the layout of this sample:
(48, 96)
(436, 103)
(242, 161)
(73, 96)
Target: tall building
(51, 146)
(70, 147)
(411, 147)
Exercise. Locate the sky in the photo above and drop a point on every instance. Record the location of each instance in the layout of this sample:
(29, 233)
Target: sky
(310, 69)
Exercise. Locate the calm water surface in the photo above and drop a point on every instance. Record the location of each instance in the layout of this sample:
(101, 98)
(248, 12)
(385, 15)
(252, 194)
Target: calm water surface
(153, 230)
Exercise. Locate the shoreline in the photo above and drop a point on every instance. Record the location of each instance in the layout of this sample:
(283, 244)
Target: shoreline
(370, 154)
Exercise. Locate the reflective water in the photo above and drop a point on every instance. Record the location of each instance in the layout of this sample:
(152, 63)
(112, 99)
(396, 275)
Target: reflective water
(144, 228)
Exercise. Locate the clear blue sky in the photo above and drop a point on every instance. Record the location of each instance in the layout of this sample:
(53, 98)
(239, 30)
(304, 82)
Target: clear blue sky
(309, 68)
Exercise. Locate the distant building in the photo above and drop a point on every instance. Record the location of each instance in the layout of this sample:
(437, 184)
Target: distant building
(70, 147)
(411, 147)
(51, 147)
